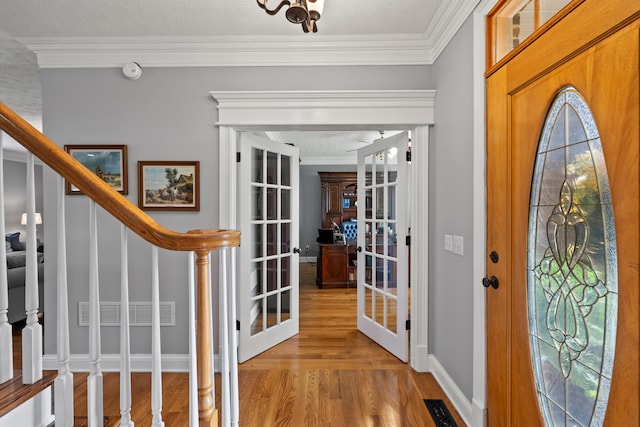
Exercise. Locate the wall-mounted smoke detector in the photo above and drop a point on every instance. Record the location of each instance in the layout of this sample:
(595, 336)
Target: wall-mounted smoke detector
(132, 70)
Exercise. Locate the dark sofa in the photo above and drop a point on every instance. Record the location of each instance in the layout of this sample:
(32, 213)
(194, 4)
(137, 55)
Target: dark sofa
(16, 278)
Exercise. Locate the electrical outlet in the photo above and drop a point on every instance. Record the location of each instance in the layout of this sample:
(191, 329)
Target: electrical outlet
(306, 248)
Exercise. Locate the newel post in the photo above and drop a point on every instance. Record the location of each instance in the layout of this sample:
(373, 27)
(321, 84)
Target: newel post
(207, 412)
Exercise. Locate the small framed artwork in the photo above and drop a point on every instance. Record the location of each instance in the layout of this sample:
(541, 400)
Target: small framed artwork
(169, 185)
(346, 203)
(109, 162)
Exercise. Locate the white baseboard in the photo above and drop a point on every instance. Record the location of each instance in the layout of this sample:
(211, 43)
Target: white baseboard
(308, 259)
(451, 389)
(420, 360)
(479, 414)
(139, 362)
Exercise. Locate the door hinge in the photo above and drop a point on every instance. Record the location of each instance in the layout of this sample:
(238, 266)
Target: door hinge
(408, 240)
(237, 325)
(238, 157)
(408, 155)
(408, 324)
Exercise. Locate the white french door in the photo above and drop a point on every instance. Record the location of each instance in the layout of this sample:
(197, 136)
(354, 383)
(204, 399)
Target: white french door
(383, 272)
(268, 175)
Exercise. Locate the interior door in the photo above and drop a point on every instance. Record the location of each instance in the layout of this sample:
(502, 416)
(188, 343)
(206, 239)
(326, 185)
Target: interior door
(562, 233)
(382, 275)
(268, 257)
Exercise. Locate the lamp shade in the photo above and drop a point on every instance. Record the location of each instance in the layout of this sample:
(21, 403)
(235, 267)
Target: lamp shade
(23, 221)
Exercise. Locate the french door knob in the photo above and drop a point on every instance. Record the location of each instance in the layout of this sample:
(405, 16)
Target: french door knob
(359, 249)
(296, 250)
(492, 281)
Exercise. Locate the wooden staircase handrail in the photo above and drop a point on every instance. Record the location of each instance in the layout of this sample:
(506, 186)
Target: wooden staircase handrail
(108, 198)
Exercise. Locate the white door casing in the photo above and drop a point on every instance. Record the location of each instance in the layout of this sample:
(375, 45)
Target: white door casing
(335, 110)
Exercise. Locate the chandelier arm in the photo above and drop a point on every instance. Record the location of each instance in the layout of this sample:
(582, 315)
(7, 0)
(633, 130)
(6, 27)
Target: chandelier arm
(263, 5)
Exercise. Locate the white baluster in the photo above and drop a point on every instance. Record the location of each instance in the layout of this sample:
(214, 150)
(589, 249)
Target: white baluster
(6, 341)
(94, 381)
(32, 332)
(233, 341)
(63, 385)
(125, 354)
(156, 368)
(224, 339)
(193, 364)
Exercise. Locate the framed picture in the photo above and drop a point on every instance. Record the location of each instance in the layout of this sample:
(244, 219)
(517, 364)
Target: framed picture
(109, 162)
(169, 185)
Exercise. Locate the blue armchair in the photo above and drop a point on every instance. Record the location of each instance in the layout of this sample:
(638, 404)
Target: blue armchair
(350, 230)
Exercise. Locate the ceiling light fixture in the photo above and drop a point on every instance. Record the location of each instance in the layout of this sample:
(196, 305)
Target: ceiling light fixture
(303, 12)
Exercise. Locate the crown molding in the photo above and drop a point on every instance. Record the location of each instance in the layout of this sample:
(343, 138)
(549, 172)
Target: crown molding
(241, 51)
(446, 22)
(227, 51)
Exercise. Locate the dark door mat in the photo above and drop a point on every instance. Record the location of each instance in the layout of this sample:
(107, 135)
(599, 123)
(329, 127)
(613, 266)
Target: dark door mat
(439, 412)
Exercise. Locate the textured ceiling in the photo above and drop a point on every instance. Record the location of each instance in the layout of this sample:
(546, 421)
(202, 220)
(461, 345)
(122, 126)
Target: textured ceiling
(47, 18)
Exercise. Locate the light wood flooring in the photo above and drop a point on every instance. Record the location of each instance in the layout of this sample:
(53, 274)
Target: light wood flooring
(328, 375)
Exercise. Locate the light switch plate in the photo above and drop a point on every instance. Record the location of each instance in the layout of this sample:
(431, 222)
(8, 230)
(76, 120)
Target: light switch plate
(458, 245)
(448, 242)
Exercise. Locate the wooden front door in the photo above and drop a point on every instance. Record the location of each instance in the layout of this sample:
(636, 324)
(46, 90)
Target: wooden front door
(563, 324)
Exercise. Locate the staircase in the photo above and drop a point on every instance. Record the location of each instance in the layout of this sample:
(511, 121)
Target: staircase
(31, 389)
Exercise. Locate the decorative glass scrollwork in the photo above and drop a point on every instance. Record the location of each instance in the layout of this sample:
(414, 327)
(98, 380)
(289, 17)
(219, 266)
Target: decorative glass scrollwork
(572, 290)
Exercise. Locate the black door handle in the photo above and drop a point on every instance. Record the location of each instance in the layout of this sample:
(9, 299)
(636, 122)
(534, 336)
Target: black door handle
(359, 249)
(493, 282)
(296, 250)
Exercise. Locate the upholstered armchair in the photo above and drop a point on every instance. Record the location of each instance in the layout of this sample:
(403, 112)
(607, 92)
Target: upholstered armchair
(350, 230)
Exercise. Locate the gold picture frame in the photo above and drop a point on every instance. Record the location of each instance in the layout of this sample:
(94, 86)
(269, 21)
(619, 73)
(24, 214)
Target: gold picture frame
(169, 185)
(109, 162)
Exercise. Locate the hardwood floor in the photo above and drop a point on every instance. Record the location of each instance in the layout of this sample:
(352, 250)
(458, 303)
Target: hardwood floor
(328, 375)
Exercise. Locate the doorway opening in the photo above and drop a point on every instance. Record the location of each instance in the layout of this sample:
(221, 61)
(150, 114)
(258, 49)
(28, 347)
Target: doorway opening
(339, 110)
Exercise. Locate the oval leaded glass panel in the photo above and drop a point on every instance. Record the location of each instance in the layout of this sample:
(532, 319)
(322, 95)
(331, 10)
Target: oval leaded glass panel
(572, 288)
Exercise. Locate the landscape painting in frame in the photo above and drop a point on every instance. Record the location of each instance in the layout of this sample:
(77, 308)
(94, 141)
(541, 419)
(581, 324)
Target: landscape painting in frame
(108, 162)
(169, 185)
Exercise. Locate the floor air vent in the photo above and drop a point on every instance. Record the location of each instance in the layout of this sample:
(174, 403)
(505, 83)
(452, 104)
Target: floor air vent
(139, 313)
(440, 413)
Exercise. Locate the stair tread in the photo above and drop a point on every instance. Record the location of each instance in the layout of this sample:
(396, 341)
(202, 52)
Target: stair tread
(13, 393)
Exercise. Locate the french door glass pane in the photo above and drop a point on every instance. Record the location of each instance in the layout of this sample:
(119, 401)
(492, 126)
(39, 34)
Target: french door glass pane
(271, 243)
(272, 168)
(285, 238)
(257, 173)
(392, 315)
(285, 203)
(256, 280)
(257, 322)
(285, 174)
(272, 203)
(272, 310)
(256, 202)
(285, 272)
(257, 248)
(368, 300)
(272, 275)
(285, 312)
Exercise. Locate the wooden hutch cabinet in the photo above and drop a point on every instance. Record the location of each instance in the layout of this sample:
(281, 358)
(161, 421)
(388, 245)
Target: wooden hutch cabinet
(338, 197)
(335, 261)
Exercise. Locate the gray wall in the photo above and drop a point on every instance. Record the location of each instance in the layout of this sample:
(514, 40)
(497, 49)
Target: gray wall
(451, 211)
(167, 114)
(310, 203)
